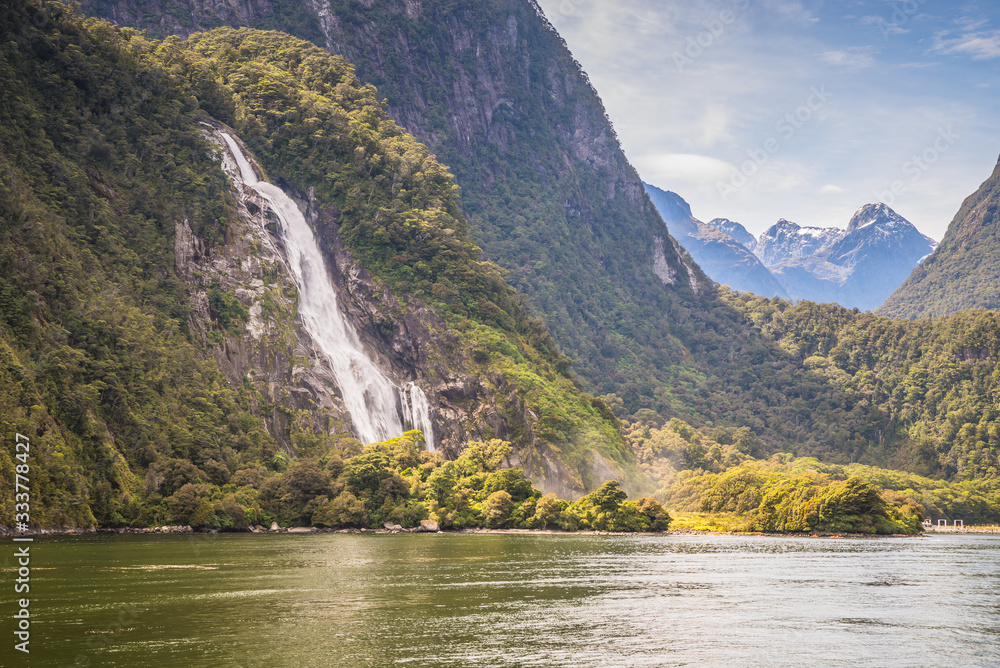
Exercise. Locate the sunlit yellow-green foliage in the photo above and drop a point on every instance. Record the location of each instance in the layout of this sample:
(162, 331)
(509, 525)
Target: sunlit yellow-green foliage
(720, 473)
(770, 498)
(398, 482)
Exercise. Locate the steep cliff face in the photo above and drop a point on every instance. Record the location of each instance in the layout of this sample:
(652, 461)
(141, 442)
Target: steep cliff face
(492, 89)
(149, 331)
(964, 270)
(297, 391)
(409, 342)
(169, 17)
(495, 94)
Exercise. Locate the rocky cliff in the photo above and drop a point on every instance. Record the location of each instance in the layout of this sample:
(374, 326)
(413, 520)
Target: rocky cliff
(409, 341)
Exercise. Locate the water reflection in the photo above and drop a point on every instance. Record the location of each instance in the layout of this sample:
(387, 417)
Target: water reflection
(515, 600)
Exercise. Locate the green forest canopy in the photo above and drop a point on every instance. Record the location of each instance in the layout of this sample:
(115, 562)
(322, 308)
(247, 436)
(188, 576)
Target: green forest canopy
(102, 154)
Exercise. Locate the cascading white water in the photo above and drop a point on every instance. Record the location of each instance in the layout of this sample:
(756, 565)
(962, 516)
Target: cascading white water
(417, 413)
(371, 398)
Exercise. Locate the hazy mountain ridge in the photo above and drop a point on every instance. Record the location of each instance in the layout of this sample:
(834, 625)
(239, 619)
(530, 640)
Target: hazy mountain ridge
(722, 257)
(786, 240)
(736, 231)
(854, 267)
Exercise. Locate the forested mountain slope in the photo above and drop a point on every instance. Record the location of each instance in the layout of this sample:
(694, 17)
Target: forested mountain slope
(495, 94)
(493, 91)
(149, 341)
(964, 270)
(922, 394)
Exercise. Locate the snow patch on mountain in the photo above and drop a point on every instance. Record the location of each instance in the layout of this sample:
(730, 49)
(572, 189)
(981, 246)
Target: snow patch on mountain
(736, 231)
(857, 267)
(786, 240)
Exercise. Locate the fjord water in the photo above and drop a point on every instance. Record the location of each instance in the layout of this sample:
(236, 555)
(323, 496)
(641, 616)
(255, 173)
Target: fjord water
(371, 398)
(280, 600)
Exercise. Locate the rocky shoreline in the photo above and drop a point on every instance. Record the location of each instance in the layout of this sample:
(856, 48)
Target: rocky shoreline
(430, 526)
(425, 526)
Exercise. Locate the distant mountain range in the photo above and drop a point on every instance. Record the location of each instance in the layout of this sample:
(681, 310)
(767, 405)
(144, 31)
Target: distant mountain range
(786, 240)
(724, 258)
(857, 267)
(964, 271)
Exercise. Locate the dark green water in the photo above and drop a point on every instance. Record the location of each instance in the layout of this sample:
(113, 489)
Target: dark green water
(508, 600)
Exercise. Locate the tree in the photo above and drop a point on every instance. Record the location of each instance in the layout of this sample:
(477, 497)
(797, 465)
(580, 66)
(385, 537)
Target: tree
(608, 497)
(344, 511)
(659, 518)
(513, 481)
(547, 511)
(485, 457)
(601, 509)
(497, 509)
(191, 505)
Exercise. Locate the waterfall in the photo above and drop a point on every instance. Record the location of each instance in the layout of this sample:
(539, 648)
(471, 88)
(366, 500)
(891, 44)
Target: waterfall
(417, 413)
(373, 401)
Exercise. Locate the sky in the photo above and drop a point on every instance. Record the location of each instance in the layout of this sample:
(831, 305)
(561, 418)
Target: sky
(756, 110)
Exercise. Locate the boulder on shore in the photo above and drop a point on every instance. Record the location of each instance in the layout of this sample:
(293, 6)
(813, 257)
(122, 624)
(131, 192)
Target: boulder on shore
(428, 526)
(274, 527)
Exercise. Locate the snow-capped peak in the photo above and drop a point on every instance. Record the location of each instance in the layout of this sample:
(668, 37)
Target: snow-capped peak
(871, 214)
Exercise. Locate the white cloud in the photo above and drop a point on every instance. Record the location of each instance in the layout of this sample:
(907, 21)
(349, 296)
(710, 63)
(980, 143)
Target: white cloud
(790, 11)
(977, 45)
(969, 23)
(667, 167)
(852, 58)
(831, 189)
(887, 28)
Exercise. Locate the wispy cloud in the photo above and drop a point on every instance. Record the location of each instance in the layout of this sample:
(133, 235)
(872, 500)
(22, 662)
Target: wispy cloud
(790, 10)
(666, 167)
(852, 58)
(887, 28)
(983, 45)
(831, 189)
